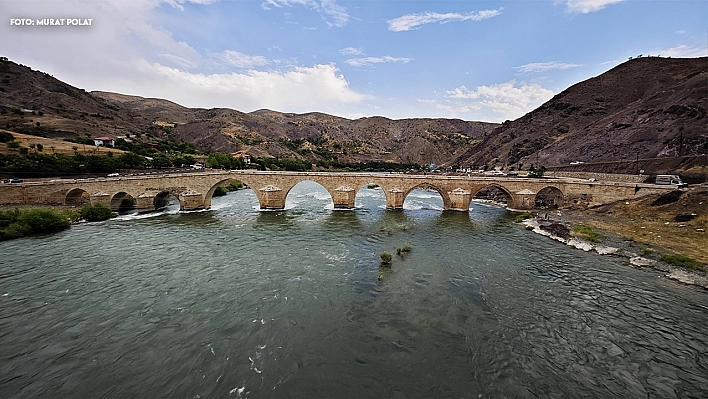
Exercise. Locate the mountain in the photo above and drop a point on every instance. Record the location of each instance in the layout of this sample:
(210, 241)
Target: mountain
(646, 113)
(645, 108)
(33, 102)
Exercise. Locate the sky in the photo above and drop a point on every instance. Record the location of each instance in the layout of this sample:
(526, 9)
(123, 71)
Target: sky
(474, 60)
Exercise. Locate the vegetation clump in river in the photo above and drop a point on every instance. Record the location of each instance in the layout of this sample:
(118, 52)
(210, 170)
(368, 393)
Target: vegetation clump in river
(18, 223)
(96, 213)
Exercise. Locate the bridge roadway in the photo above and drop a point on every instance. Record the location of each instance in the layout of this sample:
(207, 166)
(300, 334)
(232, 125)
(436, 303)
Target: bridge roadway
(194, 190)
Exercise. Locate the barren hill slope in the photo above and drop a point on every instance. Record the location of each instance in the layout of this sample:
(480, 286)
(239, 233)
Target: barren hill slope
(643, 108)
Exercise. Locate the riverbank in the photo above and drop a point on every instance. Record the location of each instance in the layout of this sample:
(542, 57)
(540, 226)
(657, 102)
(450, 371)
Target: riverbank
(648, 231)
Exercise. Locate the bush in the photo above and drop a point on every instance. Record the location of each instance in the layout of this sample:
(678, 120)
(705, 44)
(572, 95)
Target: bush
(682, 261)
(220, 191)
(5, 137)
(96, 213)
(405, 249)
(14, 224)
(386, 258)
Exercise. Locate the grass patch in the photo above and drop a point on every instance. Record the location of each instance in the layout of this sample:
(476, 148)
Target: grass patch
(682, 261)
(404, 250)
(386, 258)
(587, 232)
(523, 216)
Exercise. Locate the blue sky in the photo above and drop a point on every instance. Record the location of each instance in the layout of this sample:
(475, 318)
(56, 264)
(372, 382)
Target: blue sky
(473, 60)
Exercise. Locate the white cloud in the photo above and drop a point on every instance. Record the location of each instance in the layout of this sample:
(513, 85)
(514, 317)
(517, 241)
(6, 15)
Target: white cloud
(508, 100)
(124, 51)
(682, 51)
(302, 88)
(351, 51)
(587, 6)
(368, 61)
(241, 60)
(545, 66)
(338, 14)
(413, 21)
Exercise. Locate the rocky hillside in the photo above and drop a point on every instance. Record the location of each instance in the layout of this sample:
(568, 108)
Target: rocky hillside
(646, 113)
(645, 108)
(32, 102)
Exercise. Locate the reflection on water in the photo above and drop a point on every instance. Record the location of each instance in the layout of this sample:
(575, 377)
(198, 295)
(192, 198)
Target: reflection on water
(235, 302)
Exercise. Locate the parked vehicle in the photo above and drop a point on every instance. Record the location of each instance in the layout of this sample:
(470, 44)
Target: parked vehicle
(15, 181)
(670, 180)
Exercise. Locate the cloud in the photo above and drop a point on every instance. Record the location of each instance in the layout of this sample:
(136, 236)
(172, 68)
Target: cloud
(126, 51)
(301, 89)
(682, 51)
(586, 6)
(338, 14)
(510, 100)
(351, 51)
(414, 21)
(241, 60)
(545, 66)
(368, 61)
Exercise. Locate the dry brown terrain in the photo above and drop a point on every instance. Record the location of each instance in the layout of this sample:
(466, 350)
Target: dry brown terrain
(664, 227)
(58, 146)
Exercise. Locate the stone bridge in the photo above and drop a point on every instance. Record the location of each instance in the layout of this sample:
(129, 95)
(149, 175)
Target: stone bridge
(194, 190)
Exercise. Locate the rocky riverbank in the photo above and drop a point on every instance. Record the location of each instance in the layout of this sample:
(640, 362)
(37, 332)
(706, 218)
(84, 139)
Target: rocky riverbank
(646, 232)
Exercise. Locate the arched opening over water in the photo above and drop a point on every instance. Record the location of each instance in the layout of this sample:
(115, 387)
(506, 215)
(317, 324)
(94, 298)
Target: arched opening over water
(424, 196)
(123, 202)
(165, 199)
(549, 197)
(493, 194)
(370, 195)
(77, 196)
(308, 192)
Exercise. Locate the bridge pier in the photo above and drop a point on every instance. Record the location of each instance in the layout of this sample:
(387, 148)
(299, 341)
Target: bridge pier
(522, 200)
(395, 198)
(460, 200)
(100, 198)
(191, 201)
(271, 197)
(344, 197)
(145, 203)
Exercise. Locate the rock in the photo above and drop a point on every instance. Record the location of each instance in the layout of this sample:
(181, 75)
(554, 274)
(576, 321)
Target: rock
(580, 245)
(603, 250)
(638, 261)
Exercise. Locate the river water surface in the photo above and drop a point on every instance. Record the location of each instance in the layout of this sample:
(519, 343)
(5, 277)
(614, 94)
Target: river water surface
(234, 302)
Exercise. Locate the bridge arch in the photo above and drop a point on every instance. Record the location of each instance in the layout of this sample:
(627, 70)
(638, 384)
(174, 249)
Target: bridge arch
(77, 196)
(210, 193)
(428, 186)
(122, 202)
(289, 189)
(495, 193)
(162, 199)
(549, 196)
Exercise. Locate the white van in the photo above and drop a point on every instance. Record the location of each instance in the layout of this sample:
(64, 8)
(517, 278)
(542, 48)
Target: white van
(670, 180)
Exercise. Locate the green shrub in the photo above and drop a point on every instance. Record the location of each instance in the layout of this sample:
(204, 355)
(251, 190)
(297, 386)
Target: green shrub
(220, 191)
(682, 261)
(386, 257)
(95, 213)
(405, 249)
(234, 185)
(14, 224)
(5, 137)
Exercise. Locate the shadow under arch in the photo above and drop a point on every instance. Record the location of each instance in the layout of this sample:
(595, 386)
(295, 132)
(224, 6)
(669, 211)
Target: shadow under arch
(494, 194)
(123, 202)
(163, 199)
(77, 196)
(429, 188)
(548, 196)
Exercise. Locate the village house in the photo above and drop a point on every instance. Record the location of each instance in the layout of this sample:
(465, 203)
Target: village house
(104, 141)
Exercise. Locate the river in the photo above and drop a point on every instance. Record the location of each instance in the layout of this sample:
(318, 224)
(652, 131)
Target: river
(239, 303)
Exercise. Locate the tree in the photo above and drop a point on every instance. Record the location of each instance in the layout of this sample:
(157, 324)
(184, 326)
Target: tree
(536, 172)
